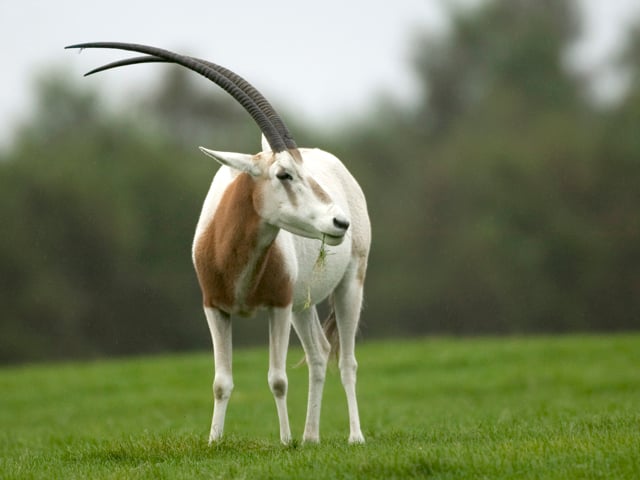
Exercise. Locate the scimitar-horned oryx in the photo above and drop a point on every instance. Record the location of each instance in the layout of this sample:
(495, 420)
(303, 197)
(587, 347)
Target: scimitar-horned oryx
(280, 230)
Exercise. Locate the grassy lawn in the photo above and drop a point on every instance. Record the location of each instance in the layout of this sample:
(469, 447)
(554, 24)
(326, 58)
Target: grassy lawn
(542, 407)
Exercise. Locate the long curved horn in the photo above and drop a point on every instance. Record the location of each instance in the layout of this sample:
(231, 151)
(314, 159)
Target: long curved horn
(269, 130)
(240, 82)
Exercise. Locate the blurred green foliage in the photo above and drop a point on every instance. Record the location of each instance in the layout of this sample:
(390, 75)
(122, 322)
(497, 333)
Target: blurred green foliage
(503, 200)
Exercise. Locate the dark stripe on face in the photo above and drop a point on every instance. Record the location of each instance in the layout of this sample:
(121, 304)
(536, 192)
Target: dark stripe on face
(319, 191)
(290, 193)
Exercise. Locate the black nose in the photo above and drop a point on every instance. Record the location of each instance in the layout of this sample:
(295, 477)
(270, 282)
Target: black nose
(340, 223)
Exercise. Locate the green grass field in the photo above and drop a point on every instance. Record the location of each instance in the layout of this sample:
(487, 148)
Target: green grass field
(544, 407)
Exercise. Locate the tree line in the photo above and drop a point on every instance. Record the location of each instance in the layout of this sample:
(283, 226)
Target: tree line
(503, 200)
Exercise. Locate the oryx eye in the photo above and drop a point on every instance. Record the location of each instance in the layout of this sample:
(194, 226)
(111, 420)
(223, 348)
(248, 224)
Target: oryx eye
(284, 175)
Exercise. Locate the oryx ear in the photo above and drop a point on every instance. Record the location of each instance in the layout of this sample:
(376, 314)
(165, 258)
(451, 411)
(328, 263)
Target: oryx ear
(238, 161)
(265, 144)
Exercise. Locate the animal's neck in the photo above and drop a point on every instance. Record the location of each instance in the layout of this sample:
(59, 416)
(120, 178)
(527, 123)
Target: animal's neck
(238, 263)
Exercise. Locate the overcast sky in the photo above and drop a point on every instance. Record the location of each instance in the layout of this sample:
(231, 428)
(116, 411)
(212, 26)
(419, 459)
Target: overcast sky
(324, 58)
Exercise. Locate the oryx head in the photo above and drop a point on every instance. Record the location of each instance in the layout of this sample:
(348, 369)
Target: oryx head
(287, 195)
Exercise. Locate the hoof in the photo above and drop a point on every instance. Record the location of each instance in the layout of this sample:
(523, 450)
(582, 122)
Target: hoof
(214, 438)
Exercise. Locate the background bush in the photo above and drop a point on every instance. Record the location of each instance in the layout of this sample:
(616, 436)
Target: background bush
(503, 200)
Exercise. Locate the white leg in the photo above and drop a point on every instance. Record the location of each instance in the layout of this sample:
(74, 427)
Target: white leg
(220, 327)
(316, 349)
(279, 328)
(347, 304)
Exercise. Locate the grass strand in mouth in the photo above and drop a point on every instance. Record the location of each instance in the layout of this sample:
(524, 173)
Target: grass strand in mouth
(322, 256)
(318, 266)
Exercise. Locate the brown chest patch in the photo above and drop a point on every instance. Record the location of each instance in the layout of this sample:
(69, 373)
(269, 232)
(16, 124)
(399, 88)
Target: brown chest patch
(270, 284)
(227, 251)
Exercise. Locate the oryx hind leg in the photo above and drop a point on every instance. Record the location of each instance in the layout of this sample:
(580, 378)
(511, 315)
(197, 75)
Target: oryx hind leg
(347, 303)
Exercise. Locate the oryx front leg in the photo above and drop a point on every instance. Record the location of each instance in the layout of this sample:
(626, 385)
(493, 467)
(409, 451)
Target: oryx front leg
(220, 327)
(279, 328)
(348, 302)
(316, 350)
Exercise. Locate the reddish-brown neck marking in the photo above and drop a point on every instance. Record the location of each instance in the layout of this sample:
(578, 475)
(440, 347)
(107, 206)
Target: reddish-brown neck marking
(236, 274)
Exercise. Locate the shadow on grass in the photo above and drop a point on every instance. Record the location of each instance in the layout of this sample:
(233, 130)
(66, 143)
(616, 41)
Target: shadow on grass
(394, 455)
(162, 448)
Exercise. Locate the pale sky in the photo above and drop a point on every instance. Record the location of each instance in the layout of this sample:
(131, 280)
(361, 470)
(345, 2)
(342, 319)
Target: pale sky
(326, 59)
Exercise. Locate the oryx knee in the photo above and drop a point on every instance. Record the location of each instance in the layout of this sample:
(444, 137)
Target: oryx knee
(278, 384)
(348, 369)
(317, 369)
(222, 387)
